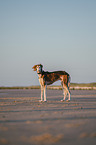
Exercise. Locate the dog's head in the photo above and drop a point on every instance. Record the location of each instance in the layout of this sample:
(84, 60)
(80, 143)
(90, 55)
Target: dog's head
(38, 68)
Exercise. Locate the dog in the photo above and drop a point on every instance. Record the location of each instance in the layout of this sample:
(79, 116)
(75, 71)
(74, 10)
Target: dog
(47, 78)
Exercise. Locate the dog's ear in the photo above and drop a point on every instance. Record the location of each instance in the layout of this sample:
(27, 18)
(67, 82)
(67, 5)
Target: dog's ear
(34, 67)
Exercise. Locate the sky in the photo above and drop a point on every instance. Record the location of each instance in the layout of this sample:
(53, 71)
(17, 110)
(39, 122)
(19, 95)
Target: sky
(59, 34)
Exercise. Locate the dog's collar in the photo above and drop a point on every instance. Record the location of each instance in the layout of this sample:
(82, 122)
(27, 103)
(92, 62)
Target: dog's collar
(39, 73)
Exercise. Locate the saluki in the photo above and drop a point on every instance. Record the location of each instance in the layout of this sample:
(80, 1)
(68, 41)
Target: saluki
(47, 78)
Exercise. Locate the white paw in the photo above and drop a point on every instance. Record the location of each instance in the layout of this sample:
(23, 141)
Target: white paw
(62, 100)
(40, 100)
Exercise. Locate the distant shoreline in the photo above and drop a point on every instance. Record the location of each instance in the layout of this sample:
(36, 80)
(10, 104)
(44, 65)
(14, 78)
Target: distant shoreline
(73, 86)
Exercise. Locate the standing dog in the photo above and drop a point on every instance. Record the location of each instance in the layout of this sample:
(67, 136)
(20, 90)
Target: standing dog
(47, 78)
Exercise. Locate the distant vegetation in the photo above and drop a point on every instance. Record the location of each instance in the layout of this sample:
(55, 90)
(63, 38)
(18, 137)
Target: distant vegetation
(73, 86)
(83, 86)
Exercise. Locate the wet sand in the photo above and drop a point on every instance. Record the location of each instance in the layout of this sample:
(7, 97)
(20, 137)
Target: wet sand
(26, 121)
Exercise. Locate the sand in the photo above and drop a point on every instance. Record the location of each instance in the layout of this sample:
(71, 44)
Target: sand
(26, 121)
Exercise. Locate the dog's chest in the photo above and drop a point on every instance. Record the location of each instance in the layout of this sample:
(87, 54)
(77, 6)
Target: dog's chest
(41, 80)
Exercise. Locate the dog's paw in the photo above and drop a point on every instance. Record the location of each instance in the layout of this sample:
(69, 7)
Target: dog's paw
(45, 101)
(40, 100)
(67, 100)
(62, 100)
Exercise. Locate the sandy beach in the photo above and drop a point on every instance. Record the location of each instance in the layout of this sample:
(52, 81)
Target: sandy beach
(26, 121)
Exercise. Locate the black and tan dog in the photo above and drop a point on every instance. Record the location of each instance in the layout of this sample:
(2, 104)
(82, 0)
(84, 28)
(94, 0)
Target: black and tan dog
(47, 78)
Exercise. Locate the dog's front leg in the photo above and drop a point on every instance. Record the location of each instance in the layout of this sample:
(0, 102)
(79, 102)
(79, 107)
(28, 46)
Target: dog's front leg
(42, 89)
(45, 94)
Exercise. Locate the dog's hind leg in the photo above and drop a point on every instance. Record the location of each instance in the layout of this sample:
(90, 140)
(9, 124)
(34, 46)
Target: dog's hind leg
(65, 85)
(63, 91)
(68, 92)
(69, 79)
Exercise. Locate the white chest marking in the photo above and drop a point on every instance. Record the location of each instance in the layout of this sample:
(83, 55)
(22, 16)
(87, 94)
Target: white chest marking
(41, 80)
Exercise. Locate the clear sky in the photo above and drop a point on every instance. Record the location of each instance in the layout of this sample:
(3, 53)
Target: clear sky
(60, 34)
